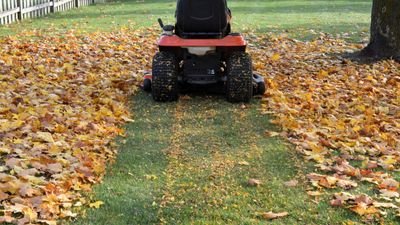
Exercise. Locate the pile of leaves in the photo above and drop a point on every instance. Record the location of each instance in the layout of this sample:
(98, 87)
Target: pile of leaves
(63, 100)
(341, 113)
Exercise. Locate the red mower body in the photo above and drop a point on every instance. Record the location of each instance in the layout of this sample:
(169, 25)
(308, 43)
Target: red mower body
(226, 45)
(228, 41)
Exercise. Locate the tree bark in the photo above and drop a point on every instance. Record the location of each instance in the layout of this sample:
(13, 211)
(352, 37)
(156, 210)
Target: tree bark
(385, 29)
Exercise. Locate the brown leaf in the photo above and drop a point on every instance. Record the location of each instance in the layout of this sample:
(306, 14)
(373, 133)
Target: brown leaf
(347, 184)
(271, 133)
(55, 167)
(254, 182)
(291, 183)
(6, 219)
(271, 215)
(3, 196)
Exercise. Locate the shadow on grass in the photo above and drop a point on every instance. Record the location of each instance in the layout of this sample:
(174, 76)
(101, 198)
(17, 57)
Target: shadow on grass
(363, 57)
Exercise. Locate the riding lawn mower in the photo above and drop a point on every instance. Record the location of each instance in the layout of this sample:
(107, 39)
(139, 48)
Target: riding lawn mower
(201, 50)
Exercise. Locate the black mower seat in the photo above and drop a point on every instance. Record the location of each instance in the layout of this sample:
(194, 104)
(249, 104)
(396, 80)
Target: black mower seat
(202, 19)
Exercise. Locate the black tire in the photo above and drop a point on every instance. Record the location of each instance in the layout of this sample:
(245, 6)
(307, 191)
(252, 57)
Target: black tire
(239, 84)
(261, 88)
(147, 85)
(165, 77)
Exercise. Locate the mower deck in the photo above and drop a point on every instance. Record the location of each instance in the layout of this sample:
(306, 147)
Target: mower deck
(215, 88)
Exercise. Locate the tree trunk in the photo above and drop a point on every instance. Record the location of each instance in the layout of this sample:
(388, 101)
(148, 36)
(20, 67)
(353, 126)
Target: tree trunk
(385, 29)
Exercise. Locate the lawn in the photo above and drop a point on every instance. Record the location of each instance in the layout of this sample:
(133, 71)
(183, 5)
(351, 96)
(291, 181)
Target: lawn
(299, 18)
(189, 162)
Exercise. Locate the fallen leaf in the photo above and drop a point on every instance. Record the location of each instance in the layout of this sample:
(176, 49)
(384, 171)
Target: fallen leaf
(244, 163)
(254, 182)
(271, 215)
(314, 193)
(3, 196)
(385, 205)
(389, 194)
(45, 136)
(291, 183)
(271, 133)
(364, 210)
(276, 57)
(96, 204)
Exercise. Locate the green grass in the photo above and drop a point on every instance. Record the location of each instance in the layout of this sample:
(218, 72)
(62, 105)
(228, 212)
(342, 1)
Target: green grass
(297, 17)
(193, 153)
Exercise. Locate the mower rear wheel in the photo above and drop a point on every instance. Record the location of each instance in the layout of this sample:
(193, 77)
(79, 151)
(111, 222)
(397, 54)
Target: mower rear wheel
(239, 84)
(165, 77)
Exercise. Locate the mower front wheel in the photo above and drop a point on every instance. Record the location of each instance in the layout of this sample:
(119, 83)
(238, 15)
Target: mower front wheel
(239, 84)
(147, 85)
(165, 77)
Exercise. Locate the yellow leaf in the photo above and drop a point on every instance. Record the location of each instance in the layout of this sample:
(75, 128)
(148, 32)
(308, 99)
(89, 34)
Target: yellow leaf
(362, 108)
(45, 136)
(390, 160)
(68, 67)
(8, 126)
(41, 69)
(276, 57)
(364, 210)
(244, 163)
(314, 193)
(322, 74)
(151, 177)
(5, 150)
(370, 78)
(96, 204)
(308, 97)
(54, 149)
(30, 213)
(356, 128)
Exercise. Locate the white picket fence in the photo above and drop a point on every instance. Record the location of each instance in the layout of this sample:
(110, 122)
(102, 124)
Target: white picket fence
(15, 10)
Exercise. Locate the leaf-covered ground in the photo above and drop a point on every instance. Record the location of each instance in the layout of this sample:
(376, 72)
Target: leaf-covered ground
(62, 101)
(341, 113)
(64, 98)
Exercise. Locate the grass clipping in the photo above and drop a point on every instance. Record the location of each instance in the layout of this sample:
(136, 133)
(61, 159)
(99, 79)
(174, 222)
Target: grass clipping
(63, 99)
(344, 115)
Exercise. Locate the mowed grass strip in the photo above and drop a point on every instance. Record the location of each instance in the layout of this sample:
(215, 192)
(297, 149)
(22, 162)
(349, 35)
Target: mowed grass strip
(216, 147)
